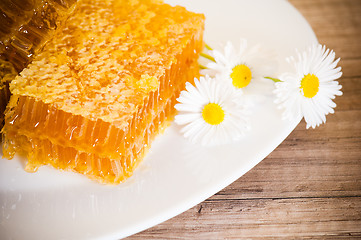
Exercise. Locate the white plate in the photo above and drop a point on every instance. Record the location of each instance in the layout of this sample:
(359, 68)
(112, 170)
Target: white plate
(175, 175)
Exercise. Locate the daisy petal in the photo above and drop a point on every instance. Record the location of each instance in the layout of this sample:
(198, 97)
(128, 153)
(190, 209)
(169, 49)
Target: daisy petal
(317, 61)
(198, 128)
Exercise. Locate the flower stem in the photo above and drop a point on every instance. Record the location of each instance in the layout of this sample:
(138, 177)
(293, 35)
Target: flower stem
(273, 79)
(205, 55)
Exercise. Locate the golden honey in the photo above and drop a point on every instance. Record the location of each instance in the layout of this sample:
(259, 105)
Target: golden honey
(7, 73)
(103, 87)
(25, 26)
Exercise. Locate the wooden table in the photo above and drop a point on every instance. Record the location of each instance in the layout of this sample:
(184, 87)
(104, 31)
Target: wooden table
(310, 186)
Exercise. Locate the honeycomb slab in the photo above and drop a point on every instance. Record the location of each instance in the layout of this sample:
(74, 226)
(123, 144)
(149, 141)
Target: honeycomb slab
(103, 87)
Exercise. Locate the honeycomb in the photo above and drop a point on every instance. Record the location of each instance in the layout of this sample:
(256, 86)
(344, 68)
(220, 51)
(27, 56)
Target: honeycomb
(103, 87)
(7, 73)
(25, 26)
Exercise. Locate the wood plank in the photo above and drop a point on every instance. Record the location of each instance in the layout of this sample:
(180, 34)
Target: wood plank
(351, 69)
(337, 24)
(314, 218)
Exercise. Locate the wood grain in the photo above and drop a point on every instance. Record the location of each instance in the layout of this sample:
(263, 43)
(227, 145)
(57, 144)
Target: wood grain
(310, 186)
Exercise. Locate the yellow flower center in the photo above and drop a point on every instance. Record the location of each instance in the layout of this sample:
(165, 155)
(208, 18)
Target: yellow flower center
(309, 85)
(241, 76)
(213, 114)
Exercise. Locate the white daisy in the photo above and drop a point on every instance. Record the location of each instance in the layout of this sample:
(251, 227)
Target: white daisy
(213, 113)
(308, 92)
(243, 68)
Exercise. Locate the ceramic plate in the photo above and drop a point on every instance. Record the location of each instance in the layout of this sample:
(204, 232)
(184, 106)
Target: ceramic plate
(175, 175)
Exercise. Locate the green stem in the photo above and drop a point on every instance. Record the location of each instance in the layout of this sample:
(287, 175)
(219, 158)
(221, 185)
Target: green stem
(205, 55)
(208, 47)
(273, 79)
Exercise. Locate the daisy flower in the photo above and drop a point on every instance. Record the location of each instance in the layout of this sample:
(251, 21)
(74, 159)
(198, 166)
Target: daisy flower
(308, 91)
(243, 68)
(213, 113)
